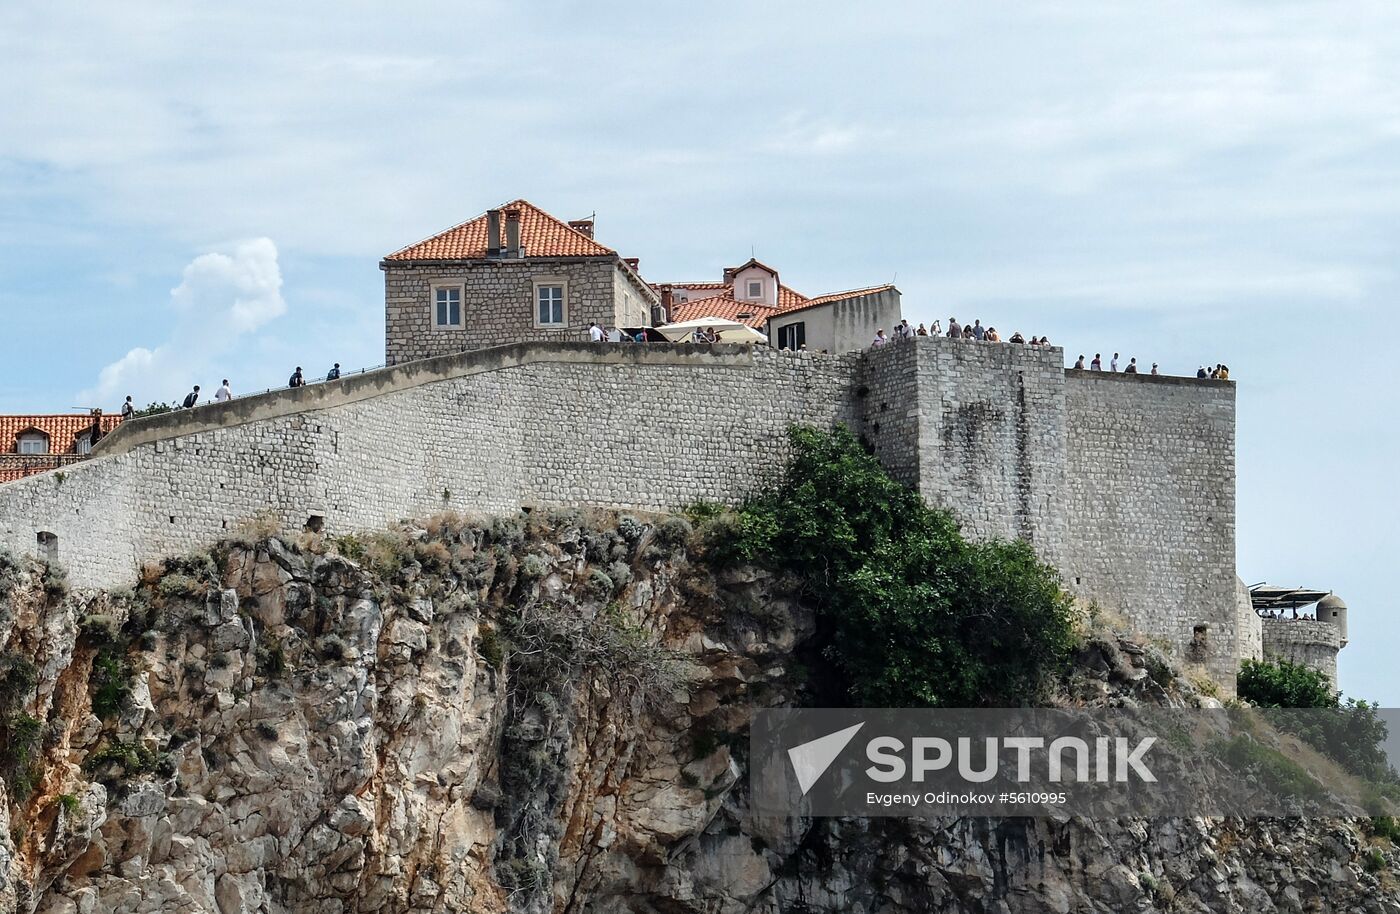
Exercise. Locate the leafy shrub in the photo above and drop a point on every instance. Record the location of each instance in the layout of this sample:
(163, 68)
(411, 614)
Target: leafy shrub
(19, 740)
(69, 803)
(9, 572)
(914, 613)
(110, 684)
(17, 679)
(673, 532)
(1386, 827)
(533, 567)
(490, 647)
(132, 758)
(154, 408)
(1349, 731)
(1285, 685)
(1274, 770)
(1373, 861)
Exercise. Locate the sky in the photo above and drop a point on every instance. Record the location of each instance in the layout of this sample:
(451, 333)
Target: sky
(191, 192)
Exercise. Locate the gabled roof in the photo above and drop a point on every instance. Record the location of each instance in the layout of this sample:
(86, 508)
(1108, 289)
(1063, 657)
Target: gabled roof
(731, 272)
(541, 235)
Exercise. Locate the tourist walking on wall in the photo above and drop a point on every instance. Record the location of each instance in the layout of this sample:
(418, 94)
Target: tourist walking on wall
(936, 329)
(334, 373)
(1132, 367)
(223, 394)
(967, 333)
(1079, 365)
(977, 331)
(191, 398)
(128, 410)
(1113, 365)
(296, 380)
(1154, 369)
(1097, 364)
(922, 331)
(595, 333)
(880, 338)
(903, 330)
(954, 329)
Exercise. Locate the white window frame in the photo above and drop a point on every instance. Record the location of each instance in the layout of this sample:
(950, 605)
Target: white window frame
(32, 438)
(750, 294)
(83, 445)
(461, 290)
(544, 282)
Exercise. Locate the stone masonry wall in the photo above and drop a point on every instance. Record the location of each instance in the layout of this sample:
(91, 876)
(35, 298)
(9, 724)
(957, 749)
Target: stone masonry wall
(1305, 642)
(979, 428)
(644, 427)
(1151, 507)
(1124, 483)
(498, 303)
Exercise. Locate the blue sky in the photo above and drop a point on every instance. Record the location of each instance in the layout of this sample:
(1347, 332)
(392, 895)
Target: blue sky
(192, 193)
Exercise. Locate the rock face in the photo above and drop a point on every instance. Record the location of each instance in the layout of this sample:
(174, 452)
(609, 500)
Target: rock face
(534, 714)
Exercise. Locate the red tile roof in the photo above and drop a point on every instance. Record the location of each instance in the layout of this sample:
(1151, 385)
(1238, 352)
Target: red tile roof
(725, 307)
(63, 431)
(541, 235)
(850, 293)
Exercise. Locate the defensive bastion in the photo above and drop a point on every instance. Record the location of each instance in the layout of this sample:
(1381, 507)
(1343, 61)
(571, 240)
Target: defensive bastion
(1126, 483)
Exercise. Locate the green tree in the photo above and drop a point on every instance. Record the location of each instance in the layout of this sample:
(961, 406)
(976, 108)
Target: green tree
(913, 613)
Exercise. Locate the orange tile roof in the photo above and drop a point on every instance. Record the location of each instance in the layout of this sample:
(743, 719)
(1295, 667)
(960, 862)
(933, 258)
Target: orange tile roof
(541, 235)
(723, 306)
(63, 431)
(849, 293)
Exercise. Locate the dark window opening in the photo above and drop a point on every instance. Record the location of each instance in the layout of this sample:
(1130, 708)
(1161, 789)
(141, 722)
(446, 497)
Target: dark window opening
(315, 523)
(48, 546)
(792, 336)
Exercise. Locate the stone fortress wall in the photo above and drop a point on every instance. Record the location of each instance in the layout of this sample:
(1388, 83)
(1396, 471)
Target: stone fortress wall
(1306, 642)
(1124, 483)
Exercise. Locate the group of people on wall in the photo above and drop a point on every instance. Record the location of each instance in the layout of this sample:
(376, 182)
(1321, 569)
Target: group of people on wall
(974, 331)
(225, 392)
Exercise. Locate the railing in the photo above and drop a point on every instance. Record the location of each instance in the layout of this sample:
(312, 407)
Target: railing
(13, 465)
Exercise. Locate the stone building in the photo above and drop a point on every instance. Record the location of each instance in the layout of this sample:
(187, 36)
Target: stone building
(753, 294)
(35, 443)
(513, 273)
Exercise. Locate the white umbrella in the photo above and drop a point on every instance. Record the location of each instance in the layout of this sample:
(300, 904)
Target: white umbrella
(728, 331)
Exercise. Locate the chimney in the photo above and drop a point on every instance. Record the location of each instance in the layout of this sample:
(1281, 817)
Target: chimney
(493, 233)
(632, 262)
(513, 233)
(582, 226)
(667, 297)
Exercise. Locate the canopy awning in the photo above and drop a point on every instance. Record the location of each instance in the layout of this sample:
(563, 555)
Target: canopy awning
(727, 330)
(1271, 596)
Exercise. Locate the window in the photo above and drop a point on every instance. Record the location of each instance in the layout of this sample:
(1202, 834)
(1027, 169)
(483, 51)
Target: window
(755, 288)
(33, 443)
(84, 443)
(550, 296)
(447, 307)
(792, 336)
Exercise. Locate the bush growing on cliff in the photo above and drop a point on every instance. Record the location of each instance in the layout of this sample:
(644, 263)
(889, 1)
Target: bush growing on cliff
(1284, 685)
(1351, 732)
(915, 614)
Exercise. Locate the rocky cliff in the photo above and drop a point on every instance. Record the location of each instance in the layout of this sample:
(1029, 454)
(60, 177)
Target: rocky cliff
(541, 713)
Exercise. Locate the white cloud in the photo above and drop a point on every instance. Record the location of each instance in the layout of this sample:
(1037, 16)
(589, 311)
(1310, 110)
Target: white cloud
(222, 300)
